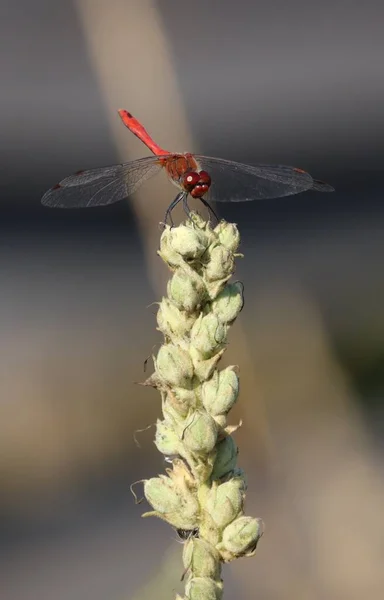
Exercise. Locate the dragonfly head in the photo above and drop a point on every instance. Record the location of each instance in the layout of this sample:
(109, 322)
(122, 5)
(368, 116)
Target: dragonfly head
(196, 183)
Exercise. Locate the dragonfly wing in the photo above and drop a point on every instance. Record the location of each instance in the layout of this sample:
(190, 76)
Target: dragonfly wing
(237, 182)
(97, 187)
(321, 186)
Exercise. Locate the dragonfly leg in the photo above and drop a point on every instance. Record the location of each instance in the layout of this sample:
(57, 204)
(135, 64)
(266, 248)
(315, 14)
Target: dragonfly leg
(187, 210)
(206, 204)
(210, 209)
(175, 202)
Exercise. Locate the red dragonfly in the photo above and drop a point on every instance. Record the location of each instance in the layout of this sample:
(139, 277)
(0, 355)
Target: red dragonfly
(199, 176)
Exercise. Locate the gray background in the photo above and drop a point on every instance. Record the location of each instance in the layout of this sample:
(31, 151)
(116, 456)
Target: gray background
(281, 82)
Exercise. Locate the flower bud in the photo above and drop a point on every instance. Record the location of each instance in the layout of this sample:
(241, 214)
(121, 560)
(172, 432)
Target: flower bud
(240, 538)
(204, 368)
(228, 304)
(190, 243)
(166, 439)
(225, 502)
(208, 334)
(201, 558)
(195, 221)
(220, 392)
(226, 457)
(221, 420)
(228, 235)
(239, 474)
(174, 366)
(186, 289)
(199, 588)
(220, 265)
(173, 322)
(177, 402)
(167, 253)
(173, 502)
(200, 433)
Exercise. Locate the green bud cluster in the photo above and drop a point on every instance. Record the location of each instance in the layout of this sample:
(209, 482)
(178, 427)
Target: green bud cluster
(203, 492)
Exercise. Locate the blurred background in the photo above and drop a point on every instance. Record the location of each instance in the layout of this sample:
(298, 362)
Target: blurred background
(289, 82)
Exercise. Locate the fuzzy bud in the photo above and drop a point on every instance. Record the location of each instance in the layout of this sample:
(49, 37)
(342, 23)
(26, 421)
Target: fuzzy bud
(226, 457)
(199, 588)
(187, 289)
(220, 265)
(239, 474)
(201, 558)
(173, 502)
(167, 253)
(204, 368)
(221, 420)
(173, 322)
(208, 334)
(200, 434)
(228, 304)
(195, 221)
(220, 393)
(225, 502)
(167, 441)
(228, 235)
(174, 366)
(174, 405)
(240, 538)
(190, 243)
(178, 401)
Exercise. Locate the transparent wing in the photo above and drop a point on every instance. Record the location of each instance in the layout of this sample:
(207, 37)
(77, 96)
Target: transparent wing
(98, 187)
(321, 186)
(237, 182)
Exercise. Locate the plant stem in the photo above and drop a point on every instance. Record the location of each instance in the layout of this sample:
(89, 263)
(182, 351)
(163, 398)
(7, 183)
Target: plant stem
(202, 494)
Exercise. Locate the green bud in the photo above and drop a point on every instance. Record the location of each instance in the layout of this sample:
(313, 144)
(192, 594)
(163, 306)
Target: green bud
(240, 538)
(215, 287)
(173, 502)
(239, 474)
(208, 334)
(226, 458)
(203, 588)
(221, 420)
(225, 502)
(167, 253)
(195, 221)
(228, 235)
(201, 558)
(209, 531)
(200, 433)
(162, 494)
(229, 302)
(178, 402)
(185, 396)
(202, 469)
(204, 368)
(174, 366)
(187, 289)
(166, 439)
(220, 392)
(173, 322)
(221, 264)
(190, 243)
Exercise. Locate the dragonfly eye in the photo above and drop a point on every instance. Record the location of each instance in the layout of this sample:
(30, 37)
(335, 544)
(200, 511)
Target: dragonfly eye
(205, 178)
(197, 184)
(190, 181)
(199, 190)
